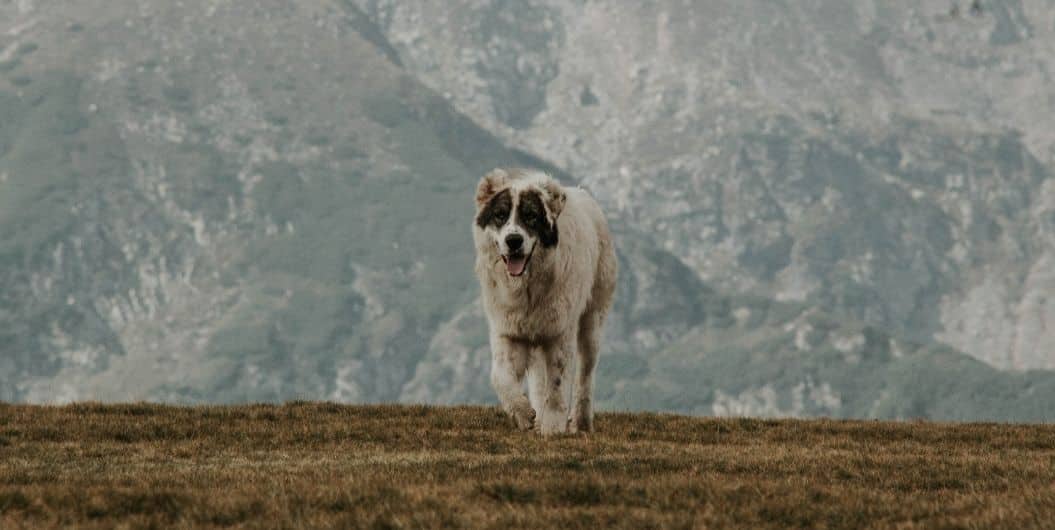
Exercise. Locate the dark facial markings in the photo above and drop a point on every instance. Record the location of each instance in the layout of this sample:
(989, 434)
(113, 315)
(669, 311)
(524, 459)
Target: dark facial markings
(497, 210)
(531, 214)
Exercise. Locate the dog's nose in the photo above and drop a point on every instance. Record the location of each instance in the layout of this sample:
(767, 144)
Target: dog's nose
(514, 241)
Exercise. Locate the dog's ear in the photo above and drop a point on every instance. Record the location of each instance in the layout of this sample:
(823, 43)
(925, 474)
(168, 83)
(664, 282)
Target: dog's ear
(557, 198)
(491, 184)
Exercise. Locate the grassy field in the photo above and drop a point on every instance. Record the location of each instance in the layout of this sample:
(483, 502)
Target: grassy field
(307, 465)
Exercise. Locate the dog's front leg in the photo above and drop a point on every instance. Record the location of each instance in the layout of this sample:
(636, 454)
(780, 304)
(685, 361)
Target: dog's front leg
(508, 364)
(554, 408)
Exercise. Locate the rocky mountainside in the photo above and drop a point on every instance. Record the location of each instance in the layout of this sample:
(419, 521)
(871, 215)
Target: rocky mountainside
(818, 206)
(887, 160)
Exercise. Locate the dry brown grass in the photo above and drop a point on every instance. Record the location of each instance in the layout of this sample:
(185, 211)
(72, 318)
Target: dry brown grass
(322, 465)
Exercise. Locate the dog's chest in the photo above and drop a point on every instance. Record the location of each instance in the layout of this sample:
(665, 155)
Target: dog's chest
(528, 311)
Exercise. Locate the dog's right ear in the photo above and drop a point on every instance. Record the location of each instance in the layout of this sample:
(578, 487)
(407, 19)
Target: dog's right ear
(491, 184)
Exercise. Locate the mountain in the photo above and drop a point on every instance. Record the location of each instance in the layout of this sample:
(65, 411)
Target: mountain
(820, 209)
(889, 160)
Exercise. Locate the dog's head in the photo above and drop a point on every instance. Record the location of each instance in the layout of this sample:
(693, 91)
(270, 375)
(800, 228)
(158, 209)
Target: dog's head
(516, 216)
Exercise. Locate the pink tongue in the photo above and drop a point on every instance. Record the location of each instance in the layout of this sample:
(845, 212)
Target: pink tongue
(515, 266)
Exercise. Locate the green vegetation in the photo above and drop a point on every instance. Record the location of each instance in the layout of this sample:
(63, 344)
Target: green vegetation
(27, 48)
(330, 466)
(865, 373)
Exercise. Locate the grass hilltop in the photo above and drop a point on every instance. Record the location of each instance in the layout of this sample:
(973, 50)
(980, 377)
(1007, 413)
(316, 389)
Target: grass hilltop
(308, 465)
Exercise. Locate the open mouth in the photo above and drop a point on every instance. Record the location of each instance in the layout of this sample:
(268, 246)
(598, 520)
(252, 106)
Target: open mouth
(516, 264)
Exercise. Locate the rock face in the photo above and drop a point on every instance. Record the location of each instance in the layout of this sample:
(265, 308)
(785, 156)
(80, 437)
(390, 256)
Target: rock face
(890, 160)
(219, 202)
(818, 205)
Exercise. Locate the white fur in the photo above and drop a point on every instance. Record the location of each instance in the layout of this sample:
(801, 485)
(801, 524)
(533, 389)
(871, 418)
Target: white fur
(543, 320)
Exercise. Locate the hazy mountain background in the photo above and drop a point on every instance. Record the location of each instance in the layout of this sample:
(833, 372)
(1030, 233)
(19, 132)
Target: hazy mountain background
(821, 207)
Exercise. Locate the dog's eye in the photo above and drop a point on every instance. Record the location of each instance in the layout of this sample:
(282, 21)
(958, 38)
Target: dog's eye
(501, 217)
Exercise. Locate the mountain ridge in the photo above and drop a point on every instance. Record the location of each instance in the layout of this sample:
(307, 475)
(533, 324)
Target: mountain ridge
(220, 203)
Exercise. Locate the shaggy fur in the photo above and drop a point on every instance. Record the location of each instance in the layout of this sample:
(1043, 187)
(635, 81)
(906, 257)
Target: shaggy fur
(547, 268)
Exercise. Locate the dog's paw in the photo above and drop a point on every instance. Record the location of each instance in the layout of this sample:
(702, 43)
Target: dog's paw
(580, 423)
(581, 418)
(523, 416)
(553, 423)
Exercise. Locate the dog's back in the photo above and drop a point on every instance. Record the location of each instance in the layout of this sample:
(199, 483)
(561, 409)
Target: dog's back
(604, 274)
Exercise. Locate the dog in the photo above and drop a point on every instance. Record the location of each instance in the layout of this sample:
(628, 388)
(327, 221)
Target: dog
(547, 269)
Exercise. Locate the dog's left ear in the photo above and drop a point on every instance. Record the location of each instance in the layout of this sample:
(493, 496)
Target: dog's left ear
(557, 198)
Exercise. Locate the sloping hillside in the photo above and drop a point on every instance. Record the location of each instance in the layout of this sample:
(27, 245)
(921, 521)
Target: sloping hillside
(195, 211)
(890, 160)
(331, 466)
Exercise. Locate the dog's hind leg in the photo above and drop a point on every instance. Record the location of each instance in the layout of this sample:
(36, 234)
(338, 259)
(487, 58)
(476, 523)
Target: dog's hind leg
(581, 419)
(508, 364)
(551, 380)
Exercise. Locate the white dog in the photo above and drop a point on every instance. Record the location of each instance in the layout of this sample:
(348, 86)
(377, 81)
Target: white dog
(547, 268)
